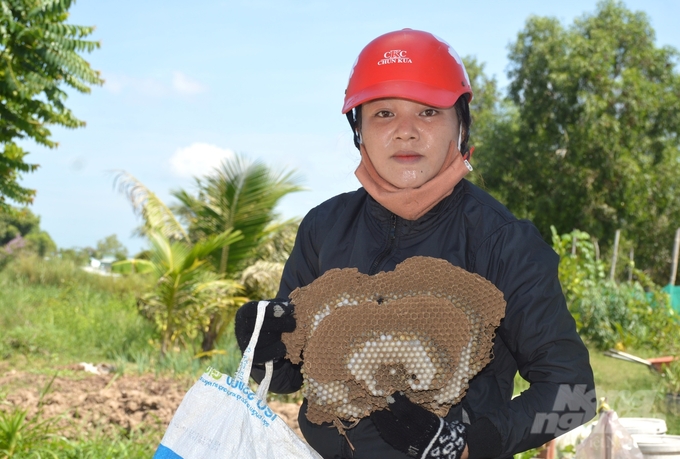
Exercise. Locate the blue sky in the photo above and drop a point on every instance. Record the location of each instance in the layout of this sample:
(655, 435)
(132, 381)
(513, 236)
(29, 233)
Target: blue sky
(188, 83)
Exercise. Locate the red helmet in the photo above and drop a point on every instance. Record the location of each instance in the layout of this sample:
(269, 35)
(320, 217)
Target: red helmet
(409, 64)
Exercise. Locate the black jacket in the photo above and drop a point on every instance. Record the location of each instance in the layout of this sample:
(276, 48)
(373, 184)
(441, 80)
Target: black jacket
(538, 337)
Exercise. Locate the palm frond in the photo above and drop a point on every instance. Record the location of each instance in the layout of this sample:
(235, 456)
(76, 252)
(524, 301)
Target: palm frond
(277, 242)
(261, 279)
(156, 215)
(242, 195)
(133, 265)
(214, 242)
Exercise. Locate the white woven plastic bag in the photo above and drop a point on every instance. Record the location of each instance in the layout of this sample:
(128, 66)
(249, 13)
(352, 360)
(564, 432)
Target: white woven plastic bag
(221, 417)
(608, 440)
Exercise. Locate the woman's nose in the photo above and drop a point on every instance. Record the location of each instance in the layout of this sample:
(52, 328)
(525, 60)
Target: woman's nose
(406, 129)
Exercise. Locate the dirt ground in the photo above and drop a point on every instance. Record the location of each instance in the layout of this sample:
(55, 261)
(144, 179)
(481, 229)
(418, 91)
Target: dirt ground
(88, 403)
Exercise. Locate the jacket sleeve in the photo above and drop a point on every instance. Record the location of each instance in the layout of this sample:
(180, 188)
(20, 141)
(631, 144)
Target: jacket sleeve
(540, 334)
(300, 269)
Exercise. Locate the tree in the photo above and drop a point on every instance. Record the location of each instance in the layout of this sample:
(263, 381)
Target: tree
(261, 277)
(241, 195)
(39, 54)
(111, 246)
(186, 291)
(487, 110)
(17, 222)
(592, 139)
(20, 229)
(235, 204)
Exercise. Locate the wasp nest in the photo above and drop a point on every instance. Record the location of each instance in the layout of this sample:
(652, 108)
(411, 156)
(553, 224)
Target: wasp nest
(425, 329)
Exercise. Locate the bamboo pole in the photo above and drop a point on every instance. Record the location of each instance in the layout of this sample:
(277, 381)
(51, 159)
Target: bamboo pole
(631, 256)
(676, 249)
(615, 253)
(608, 439)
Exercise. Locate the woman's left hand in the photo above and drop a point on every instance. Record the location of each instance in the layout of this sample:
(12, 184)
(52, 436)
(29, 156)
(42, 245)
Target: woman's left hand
(417, 432)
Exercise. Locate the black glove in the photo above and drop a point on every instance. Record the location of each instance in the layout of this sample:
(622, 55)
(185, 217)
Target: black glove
(278, 318)
(417, 432)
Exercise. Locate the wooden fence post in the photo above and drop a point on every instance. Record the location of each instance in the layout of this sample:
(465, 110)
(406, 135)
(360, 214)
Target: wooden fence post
(615, 253)
(631, 255)
(676, 249)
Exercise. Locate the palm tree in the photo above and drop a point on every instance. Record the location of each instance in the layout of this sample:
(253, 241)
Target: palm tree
(240, 195)
(187, 291)
(262, 276)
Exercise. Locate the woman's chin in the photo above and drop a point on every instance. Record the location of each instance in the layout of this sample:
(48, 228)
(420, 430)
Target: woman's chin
(409, 182)
(405, 179)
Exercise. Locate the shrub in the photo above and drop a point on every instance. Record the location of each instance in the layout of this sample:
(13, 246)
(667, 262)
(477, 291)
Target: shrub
(631, 314)
(671, 377)
(625, 315)
(579, 268)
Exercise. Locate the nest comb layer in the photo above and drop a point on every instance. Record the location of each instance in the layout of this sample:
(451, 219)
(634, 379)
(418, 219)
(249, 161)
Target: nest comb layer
(425, 329)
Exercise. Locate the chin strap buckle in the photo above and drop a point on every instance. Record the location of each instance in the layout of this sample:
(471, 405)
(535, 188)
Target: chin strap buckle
(466, 156)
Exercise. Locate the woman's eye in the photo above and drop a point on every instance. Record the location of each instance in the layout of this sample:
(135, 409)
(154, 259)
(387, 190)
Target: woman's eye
(383, 114)
(429, 112)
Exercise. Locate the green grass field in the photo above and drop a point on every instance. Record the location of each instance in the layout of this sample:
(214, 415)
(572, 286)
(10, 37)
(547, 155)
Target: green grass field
(52, 315)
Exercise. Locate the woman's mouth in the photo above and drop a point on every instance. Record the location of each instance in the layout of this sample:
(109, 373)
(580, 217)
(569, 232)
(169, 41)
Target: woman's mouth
(407, 157)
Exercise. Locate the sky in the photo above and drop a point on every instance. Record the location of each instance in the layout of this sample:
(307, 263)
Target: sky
(190, 83)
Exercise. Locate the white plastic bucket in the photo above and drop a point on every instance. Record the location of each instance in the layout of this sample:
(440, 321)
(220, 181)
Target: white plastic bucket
(659, 446)
(644, 426)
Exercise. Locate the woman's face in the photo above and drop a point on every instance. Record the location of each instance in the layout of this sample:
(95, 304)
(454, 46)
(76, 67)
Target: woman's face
(406, 141)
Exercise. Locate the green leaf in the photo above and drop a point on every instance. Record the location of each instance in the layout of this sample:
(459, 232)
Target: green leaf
(156, 215)
(39, 54)
(589, 136)
(132, 266)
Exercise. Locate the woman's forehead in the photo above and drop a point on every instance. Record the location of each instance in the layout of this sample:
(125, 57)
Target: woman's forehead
(398, 101)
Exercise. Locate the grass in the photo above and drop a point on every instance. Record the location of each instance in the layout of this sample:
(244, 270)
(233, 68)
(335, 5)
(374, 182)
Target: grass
(20, 436)
(133, 445)
(631, 389)
(38, 437)
(62, 323)
(52, 313)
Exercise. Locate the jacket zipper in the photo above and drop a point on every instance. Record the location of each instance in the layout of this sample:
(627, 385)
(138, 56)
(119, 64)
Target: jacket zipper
(388, 249)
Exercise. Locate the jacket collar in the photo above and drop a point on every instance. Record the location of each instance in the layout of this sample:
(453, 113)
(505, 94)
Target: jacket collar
(446, 205)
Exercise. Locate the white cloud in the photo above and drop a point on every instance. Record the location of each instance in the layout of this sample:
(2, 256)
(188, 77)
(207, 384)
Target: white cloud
(149, 86)
(198, 159)
(146, 86)
(185, 85)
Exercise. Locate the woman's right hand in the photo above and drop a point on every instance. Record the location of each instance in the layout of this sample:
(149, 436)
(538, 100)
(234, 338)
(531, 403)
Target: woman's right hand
(278, 319)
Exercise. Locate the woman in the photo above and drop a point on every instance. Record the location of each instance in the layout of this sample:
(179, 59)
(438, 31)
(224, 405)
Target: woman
(407, 102)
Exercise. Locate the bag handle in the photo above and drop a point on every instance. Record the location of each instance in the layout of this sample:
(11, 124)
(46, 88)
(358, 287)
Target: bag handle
(246, 365)
(264, 385)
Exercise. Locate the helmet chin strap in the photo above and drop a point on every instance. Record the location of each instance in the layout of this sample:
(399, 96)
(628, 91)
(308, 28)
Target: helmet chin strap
(460, 135)
(466, 155)
(351, 117)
